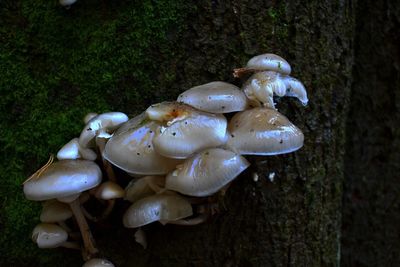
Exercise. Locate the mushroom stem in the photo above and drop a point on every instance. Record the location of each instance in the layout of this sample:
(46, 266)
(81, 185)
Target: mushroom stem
(189, 222)
(71, 245)
(101, 144)
(108, 209)
(88, 215)
(87, 237)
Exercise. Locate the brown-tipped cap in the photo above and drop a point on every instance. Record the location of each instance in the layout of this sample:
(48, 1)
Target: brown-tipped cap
(262, 131)
(109, 190)
(55, 211)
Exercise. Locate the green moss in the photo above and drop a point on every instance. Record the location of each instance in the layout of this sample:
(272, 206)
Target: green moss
(57, 65)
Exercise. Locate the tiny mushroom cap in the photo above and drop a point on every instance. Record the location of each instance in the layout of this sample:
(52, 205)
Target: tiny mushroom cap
(215, 97)
(103, 125)
(296, 89)
(269, 62)
(55, 211)
(263, 131)
(186, 130)
(206, 172)
(262, 86)
(160, 207)
(98, 263)
(89, 116)
(131, 149)
(72, 150)
(63, 179)
(109, 190)
(47, 235)
(143, 187)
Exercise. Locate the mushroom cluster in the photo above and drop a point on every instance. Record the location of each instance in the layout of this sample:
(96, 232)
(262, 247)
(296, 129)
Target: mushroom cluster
(177, 154)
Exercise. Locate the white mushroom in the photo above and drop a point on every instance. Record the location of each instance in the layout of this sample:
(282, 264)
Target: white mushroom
(47, 235)
(263, 131)
(206, 172)
(72, 150)
(54, 211)
(143, 187)
(215, 97)
(269, 62)
(98, 263)
(296, 89)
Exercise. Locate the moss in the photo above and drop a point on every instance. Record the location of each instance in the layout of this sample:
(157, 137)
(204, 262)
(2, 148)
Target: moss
(57, 65)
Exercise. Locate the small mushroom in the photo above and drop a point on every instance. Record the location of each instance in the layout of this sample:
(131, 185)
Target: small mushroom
(54, 211)
(215, 97)
(72, 150)
(161, 207)
(131, 149)
(206, 172)
(47, 235)
(98, 263)
(89, 116)
(185, 129)
(265, 62)
(65, 180)
(143, 187)
(101, 125)
(263, 131)
(109, 190)
(296, 89)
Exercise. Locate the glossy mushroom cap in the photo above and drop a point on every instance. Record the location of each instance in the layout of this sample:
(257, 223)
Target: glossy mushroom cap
(109, 190)
(215, 97)
(101, 124)
(262, 86)
(186, 130)
(263, 131)
(269, 62)
(72, 150)
(142, 187)
(162, 207)
(47, 235)
(131, 149)
(67, 3)
(54, 211)
(98, 263)
(206, 172)
(63, 179)
(296, 89)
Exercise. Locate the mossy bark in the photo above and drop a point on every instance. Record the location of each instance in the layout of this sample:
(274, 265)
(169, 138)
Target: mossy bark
(293, 220)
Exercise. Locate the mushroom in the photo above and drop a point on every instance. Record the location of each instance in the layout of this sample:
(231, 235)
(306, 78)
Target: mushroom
(265, 62)
(206, 172)
(72, 150)
(108, 191)
(215, 97)
(131, 149)
(160, 207)
(296, 89)
(65, 180)
(263, 131)
(54, 211)
(185, 129)
(67, 3)
(98, 263)
(143, 187)
(89, 116)
(47, 235)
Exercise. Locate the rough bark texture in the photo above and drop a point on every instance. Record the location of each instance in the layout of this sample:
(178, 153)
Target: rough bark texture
(291, 221)
(372, 163)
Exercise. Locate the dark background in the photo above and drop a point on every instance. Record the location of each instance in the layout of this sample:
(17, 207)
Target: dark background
(334, 202)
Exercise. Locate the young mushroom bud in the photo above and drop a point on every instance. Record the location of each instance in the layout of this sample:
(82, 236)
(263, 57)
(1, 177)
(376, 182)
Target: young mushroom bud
(72, 150)
(215, 97)
(98, 263)
(101, 125)
(206, 172)
(269, 62)
(143, 187)
(54, 211)
(186, 130)
(47, 235)
(161, 207)
(131, 149)
(263, 131)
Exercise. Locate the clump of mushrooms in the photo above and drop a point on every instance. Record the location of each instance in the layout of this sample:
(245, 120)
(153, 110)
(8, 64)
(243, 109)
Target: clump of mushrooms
(179, 156)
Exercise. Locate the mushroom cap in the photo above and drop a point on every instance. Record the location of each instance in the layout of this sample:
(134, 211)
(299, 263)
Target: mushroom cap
(54, 211)
(89, 116)
(98, 263)
(206, 172)
(263, 131)
(296, 89)
(131, 149)
(67, 2)
(215, 97)
(261, 86)
(109, 190)
(187, 130)
(62, 179)
(47, 235)
(161, 207)
(139, 188)
(269, 62)
(101, 124)
(72, 150)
